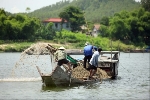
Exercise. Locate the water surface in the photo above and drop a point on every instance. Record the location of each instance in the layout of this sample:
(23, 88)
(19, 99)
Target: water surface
(19, 79)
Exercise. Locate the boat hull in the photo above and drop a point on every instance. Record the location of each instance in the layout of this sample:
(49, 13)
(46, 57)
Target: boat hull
(62, 77)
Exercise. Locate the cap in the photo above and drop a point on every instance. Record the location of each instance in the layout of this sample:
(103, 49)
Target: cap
(87, 43)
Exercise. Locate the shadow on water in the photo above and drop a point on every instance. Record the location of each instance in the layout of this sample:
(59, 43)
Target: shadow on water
(66, 87)
(77, 86)
(55, 88)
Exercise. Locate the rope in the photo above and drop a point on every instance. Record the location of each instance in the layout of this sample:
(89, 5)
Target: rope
(126, 69)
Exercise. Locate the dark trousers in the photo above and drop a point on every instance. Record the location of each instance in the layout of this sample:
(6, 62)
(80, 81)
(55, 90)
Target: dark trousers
(87, 58)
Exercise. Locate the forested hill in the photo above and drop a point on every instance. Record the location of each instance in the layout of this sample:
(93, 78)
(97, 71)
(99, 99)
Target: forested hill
(94, 9)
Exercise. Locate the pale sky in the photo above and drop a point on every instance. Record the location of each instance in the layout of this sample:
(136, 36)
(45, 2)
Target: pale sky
(15, 6)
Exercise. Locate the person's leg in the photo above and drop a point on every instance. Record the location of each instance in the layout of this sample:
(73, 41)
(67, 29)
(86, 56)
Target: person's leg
(69, 65)
(89, 58)
(93, 72)
(65, 61)
(85, 60)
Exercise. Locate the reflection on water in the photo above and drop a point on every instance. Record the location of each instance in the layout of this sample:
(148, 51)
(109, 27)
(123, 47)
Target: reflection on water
(133, 81)
(56, 89)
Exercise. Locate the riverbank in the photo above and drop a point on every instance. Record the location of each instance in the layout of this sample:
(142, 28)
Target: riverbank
(14, 47)
(22, 46)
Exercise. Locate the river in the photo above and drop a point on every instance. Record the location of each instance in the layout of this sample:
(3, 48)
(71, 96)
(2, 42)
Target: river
(19, 79)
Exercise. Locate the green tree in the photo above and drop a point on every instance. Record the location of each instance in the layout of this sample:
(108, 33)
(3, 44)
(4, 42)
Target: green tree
(73, 15)
(50, 33)
(29, 27)
(144, 27)
(28, 9)
(18, 26)
(45, 32)
(130, 27)
(119, 28)
(105, 21)
(3, 17)
(146, 4)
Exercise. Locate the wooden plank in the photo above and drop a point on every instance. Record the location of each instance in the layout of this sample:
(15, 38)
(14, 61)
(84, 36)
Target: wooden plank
(110, 61)
(39, 71)
(79, 52)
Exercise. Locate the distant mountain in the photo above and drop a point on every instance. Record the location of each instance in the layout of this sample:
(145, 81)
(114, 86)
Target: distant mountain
(94, 9)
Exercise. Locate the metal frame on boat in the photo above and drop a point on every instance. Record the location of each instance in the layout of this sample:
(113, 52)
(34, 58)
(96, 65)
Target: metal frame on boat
(110, 63)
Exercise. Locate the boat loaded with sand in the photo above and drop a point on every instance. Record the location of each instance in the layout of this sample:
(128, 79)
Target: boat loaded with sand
(108, 68)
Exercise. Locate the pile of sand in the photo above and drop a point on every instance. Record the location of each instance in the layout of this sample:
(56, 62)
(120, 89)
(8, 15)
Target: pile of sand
(37, 49)
(80, 72)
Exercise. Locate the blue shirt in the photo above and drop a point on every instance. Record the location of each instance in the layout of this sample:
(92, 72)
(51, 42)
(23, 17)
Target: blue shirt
(88, 50)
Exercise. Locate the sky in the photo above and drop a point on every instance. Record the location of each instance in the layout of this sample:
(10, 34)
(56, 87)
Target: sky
(16, 6)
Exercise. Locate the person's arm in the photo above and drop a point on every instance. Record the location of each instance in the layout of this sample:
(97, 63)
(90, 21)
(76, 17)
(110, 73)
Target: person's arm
(66, 55)
(84, 51)
(55, 56)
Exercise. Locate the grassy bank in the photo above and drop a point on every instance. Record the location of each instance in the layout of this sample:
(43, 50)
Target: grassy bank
(21, 46)
(14, 47)
(69, 40)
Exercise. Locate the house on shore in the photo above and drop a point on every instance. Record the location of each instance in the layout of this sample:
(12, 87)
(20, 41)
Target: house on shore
(96, 30)
(57, 23)
(93, 32)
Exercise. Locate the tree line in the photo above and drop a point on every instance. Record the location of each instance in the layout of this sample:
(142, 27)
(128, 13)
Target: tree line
(17, 27)
(94, 9)
(129, 27)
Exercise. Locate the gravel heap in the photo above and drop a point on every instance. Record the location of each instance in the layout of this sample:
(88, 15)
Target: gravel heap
(81, 73)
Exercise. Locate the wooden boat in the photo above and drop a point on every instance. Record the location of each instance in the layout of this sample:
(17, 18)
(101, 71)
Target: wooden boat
(61, 76)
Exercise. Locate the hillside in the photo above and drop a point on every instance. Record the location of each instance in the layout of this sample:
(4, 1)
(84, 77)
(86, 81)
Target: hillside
(94, 9)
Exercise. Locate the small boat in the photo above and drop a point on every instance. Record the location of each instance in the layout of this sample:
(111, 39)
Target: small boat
(61, 76)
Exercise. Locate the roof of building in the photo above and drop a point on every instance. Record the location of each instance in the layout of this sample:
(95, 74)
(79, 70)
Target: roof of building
(83, 27)
(54, 20)
(97, 26)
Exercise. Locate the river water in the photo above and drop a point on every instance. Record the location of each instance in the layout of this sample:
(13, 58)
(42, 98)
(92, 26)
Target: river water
(19, 79)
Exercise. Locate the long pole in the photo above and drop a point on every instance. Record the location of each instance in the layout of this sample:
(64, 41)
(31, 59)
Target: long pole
(119, 47)
(87, 27)
(111, 59)
(111, 49)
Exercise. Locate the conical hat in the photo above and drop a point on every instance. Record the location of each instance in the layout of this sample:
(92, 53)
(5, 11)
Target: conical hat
(62, 48)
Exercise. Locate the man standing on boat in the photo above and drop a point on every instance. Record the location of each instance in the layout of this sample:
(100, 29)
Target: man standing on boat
(88, 51)
(60, 56)
(93, 64)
